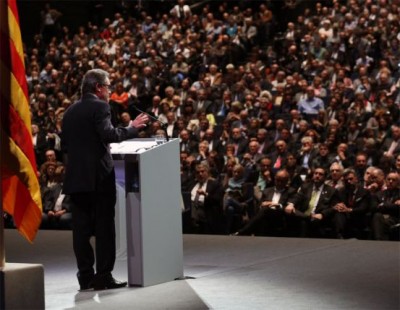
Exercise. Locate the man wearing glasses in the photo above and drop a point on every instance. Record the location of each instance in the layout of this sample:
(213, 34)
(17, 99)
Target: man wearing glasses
(90, 178)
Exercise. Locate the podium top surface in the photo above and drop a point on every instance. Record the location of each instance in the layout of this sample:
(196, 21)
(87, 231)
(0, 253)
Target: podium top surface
(134, 146)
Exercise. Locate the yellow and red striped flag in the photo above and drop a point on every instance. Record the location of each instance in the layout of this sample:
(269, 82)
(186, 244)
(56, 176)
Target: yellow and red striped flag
(20, 186)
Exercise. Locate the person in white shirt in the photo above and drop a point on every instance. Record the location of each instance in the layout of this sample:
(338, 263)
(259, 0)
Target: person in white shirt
(181, 10)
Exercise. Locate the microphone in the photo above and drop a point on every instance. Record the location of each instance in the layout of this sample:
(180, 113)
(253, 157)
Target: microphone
(163, 125)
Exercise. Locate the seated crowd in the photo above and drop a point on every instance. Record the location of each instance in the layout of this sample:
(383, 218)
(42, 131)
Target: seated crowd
(293, 133)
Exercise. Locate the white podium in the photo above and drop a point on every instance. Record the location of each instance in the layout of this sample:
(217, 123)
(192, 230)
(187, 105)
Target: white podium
(150, 176)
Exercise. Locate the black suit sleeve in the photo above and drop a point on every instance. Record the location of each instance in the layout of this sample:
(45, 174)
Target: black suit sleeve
(362, 203)
(108, 133)
(213, 199)
(48, 200)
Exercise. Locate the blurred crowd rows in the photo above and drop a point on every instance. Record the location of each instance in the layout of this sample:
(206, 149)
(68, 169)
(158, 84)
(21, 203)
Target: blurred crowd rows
(239, 94)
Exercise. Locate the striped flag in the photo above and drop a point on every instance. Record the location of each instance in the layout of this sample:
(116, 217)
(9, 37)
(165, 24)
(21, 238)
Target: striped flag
(20, 186)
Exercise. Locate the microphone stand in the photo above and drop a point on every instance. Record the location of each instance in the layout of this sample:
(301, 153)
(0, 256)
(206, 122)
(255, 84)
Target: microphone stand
(163, 125)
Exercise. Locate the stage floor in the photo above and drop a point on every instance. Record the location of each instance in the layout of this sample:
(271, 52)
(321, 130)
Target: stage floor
(232, 273)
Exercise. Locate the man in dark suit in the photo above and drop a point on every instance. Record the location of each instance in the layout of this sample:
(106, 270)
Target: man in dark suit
(90, 178)
(278, 156)
(391, 145)
(202, 103)
(386, 214)
(155, 109)
(266, 145)
(56, 205)
(239, 141)
(353, 203)
(206, 202)
(40, 144)
(137, 94)
(309, 211)
(214, 144)
(187, 144)
(150, 84)
(270, 216)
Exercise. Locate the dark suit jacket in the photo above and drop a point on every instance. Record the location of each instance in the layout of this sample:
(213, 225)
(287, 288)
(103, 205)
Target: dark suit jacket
(141, 91)
(286, 194)
(149, 110)
(207, 106)
(151, 84)
(274, 156)
(183, 93)
(386, 145)
(191, 146)
(142, 100)
(212, 202)
(50, 197)
(86, 134)
(385, 202)
(40, 148)
(300, 157)
(268, 146)
(323, 162)
(242, 146)
(217, 146)
(362, 200)
(325, 203)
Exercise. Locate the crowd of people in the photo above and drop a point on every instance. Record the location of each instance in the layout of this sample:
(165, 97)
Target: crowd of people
(290, 133)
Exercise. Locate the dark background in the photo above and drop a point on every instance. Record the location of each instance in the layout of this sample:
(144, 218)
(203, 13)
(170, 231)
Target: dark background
(78, 12)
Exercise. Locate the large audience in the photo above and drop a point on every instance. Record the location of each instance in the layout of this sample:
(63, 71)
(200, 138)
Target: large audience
(283, 133)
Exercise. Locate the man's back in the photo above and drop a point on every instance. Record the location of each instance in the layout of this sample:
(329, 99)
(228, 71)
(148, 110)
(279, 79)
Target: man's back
(87, 130)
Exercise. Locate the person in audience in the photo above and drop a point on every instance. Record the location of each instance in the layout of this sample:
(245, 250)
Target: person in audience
(386, 214)
(50, 156)
(237, 199)
(47, 177)
(239, 141)
(350, 211)
(214, 143)
(335, 176)
(391, 145)
(376, 181)
(360, 165)
(56, 205)
(309, 211)
(40, 144)
(187, 143)
(312, 81)
(206, 201)
(306, 154)
(396, 165)
(311, 105)
(269, 220)
(322, 158)
(296, 175)
(278, 157)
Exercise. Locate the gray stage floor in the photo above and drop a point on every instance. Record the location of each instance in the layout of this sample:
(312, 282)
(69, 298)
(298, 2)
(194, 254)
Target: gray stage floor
(233, 273)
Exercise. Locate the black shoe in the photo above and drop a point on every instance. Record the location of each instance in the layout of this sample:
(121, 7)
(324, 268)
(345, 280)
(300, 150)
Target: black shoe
(85, 281)
(107, 284)
(85, 286)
